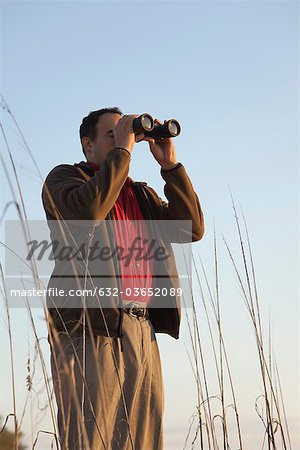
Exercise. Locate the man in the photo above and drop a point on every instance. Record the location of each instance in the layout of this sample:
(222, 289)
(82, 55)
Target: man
(105, 360)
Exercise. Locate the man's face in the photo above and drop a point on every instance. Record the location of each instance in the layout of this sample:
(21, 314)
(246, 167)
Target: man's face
(97, 150)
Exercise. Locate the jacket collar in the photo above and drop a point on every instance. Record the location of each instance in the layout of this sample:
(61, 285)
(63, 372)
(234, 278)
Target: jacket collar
(84, 165)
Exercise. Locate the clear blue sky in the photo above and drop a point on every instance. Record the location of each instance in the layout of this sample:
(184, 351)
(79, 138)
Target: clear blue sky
(228, 71)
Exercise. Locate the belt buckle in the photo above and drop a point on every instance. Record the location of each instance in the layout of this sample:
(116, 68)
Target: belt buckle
(140, 309)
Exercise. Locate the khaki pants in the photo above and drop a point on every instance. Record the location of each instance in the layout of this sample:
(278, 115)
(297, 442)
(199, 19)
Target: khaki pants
(96, 414)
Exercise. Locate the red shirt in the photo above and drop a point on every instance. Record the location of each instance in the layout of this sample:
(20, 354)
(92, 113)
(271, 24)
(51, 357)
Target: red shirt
(135, 277)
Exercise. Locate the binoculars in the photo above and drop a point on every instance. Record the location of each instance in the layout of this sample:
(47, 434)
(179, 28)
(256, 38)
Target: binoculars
(145, 124)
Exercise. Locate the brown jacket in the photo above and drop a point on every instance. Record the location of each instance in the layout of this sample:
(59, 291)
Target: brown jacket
(77, 193)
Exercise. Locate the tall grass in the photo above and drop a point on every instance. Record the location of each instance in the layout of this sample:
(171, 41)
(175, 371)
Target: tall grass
(273, 416)
(209, 427)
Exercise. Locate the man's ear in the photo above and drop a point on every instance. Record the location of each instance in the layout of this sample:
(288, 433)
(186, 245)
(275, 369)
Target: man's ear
(86, 143)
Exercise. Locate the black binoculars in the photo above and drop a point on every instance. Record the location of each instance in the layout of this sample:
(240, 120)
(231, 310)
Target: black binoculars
(145, 124)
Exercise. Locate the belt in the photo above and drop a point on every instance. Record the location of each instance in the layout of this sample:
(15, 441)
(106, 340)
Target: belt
(135, 309)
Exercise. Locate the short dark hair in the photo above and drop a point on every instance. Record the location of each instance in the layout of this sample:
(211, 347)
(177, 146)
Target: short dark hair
(88, 124)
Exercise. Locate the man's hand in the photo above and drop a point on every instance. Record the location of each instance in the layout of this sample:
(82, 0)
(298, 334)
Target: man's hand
(163, 150)
(123, 132)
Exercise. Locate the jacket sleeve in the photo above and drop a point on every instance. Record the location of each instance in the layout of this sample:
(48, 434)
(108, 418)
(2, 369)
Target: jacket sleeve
(183, 204)
(66, 195)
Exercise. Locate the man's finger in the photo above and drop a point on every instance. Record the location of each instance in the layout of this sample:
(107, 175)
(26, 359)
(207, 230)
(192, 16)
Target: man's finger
(139, 137)
(149, 139)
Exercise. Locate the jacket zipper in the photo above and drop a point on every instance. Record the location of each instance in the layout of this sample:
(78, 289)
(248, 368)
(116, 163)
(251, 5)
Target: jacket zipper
(137, 188)
(120, 328)
(116, 263)
(142, 194)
